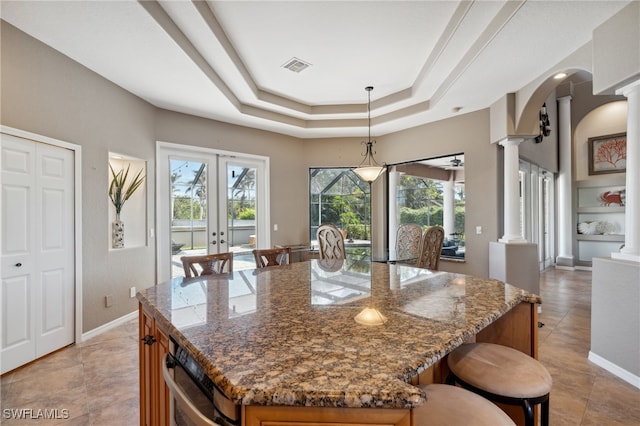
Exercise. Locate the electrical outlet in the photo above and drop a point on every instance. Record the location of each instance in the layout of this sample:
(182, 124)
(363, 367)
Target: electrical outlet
(132, 292)
(478, 230)
(275, 226)
(108, 301)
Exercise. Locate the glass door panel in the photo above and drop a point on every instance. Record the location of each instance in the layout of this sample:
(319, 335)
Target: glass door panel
(240, 211)
(194, 227)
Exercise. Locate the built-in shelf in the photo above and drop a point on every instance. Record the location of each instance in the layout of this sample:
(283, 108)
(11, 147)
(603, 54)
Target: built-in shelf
(590, 207)
(601, 209)
(609, 237)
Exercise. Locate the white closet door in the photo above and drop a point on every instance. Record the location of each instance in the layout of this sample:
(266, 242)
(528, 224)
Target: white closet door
(37, 297)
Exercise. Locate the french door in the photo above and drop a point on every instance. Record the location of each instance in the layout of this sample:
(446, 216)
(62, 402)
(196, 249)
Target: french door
(536, 210)
(38, 250)
(209, 201)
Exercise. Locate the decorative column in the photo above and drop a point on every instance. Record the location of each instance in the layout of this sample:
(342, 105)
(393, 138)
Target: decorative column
(565, 232)
(448, 208)
(631, 249)
(511, 191)
(512, 259)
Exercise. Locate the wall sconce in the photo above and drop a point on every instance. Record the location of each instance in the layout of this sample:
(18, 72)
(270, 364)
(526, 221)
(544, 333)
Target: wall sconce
(545, 126)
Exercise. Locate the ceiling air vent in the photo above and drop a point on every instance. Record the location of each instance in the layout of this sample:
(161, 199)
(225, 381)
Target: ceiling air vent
(296, 65)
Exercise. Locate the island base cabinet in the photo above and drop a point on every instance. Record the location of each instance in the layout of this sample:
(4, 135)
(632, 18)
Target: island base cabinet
(154, 394)
(317, 416)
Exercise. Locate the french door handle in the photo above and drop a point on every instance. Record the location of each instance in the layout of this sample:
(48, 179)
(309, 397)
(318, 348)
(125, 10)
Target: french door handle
(18, 264)
(222, 241)
(214, 242)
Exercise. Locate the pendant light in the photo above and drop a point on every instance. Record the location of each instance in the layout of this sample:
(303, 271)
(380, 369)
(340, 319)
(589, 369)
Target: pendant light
(369, 169)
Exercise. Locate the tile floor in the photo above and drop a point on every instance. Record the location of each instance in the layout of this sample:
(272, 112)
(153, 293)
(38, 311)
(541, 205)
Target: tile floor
(97, 381)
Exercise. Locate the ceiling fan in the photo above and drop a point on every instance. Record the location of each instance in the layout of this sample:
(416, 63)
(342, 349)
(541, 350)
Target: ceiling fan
(455, 164)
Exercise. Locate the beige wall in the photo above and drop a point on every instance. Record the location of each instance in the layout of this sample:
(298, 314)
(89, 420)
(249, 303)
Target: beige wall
(616, 50)
(46, 93)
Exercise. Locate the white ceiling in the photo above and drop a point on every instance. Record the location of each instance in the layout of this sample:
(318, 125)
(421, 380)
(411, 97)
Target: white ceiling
(427, 60)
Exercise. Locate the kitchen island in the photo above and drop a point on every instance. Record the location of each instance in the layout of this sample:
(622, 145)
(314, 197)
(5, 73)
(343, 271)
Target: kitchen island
(282, 342)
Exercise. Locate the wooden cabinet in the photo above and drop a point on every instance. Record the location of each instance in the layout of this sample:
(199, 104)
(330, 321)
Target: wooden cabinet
(316, 416)
(599, 219)
(154, 394)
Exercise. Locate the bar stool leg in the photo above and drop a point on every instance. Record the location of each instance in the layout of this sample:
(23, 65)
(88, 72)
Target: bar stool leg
(545, 413)
(528, 412)
(450, 380)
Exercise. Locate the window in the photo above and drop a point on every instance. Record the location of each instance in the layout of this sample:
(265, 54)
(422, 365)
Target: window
(430, 192)
(340, 197)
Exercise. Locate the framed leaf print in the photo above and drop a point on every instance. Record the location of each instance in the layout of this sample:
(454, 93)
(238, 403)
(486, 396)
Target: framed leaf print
(608, 154)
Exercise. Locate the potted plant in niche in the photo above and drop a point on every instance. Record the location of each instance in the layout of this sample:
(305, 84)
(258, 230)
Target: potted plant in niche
(119, 192)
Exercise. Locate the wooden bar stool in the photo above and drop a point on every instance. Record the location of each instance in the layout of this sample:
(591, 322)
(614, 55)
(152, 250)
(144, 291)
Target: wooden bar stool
(504, 375)
(453, 406)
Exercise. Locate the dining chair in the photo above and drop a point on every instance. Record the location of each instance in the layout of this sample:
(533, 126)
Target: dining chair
(208, 264)
(330, 241)
(408, 242)
(431, 248)
(272, 257)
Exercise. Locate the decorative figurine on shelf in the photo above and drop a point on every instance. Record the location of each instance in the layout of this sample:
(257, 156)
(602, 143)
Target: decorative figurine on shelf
(597, 227)
(119, 193)
(612, 197)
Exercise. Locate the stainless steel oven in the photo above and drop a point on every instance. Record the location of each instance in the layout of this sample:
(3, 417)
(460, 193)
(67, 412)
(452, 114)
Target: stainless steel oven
(196, 399)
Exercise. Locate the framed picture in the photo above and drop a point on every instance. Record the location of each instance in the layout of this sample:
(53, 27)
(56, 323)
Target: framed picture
(608, 154)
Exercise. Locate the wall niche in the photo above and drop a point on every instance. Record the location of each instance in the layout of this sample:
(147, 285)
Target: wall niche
(128, 229)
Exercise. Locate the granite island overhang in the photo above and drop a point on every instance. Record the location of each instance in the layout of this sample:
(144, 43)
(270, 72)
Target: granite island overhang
(286, 336)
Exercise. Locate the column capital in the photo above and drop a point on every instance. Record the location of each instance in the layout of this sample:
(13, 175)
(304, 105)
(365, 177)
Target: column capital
(567, 98)
(625, 90)
(511, 141)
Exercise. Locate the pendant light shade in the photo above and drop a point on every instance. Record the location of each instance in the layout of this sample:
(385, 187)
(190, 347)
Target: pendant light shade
(369, 169)
(370, 316)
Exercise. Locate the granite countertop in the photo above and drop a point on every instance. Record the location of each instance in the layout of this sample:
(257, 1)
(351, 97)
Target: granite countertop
(287, 335)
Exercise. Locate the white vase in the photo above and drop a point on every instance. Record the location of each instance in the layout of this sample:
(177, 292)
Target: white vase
(117, 234)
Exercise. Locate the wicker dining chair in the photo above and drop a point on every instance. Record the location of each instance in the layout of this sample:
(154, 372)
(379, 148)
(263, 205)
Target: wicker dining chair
(208, 264)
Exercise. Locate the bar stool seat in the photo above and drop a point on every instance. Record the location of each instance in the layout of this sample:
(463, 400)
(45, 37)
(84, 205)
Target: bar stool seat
(503, 375)
(453, 406)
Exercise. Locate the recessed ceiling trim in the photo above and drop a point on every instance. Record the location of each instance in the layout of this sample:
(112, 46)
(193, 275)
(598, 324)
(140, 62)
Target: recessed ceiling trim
(507, 12)
(168, 25)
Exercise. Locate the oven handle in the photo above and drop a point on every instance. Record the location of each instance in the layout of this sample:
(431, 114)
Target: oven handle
(176, 390)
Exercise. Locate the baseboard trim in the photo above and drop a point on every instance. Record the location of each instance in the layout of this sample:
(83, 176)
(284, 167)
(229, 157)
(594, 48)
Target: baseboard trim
(614, 369)
(108, 326)
(566, 268)
(583, 268)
